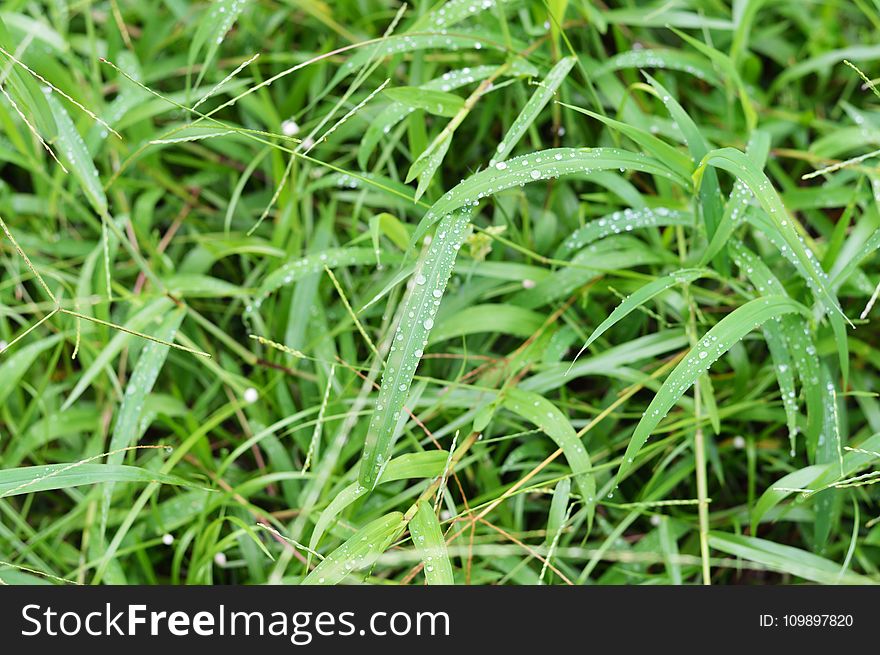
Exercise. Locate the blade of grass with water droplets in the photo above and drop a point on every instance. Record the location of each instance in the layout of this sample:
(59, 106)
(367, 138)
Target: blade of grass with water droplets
(674, 158)
(455, 11)
(439, 103)
(33, 479)
(812, 270)
(314, 263)
(428, 539)
(428, 162)
(143, 377)
(802, 348)
(665, 16)
(710, 194)
(359, 552)
(675, 60)
(536, 166)
(396, 112)
(427, 464)
(709, 349)
(625, 220)
(757, 149)
(212, 28)
(539, 410)
(743, 168)
(422, 167)
(110, 350)
(415, 321)
(539, 99)
(829, 450)
(621, 254)
(766, 283)
(640, 297)
(402, 43)
(72, 149)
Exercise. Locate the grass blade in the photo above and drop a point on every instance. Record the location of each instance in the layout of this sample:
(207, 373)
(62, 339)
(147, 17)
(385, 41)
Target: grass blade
(710, 348)
(552, 422)
(416, 319)
(738, 164)
(429, 541)
(542, 165)
(439, 103)
(357, 553)
(144, 376)
(785, 559)
(32, 479)
(73, 151)
(640, 297)
(545, 91)
(428, 464)
(625, 220)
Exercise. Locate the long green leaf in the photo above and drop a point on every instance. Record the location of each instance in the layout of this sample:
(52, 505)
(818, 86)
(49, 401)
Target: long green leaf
(709, 349)
(618, 222)
(110, 350)
(536, 166)
(429, 541)
(31, 479)
(640, 297)
(811, 479)
(212, 29)
(439, 103)
(146, 371)
(428, 464)
(533, 107)
(359, 552)
(16, 364)
(415, 321)
(743, 168)
(552, 422)
(397, 111)
(786, 559)
(677, 160)
(72, 149)
(767, 284)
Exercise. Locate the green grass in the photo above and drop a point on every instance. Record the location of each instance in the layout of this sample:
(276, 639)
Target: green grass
(511, 292)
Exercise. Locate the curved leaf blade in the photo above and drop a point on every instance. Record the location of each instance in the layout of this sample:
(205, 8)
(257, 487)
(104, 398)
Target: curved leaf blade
(537, 166)
(429, 541)
(709, 349)
(359, 552)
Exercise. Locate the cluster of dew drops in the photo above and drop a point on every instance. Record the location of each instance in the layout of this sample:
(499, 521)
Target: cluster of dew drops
(228, 17)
